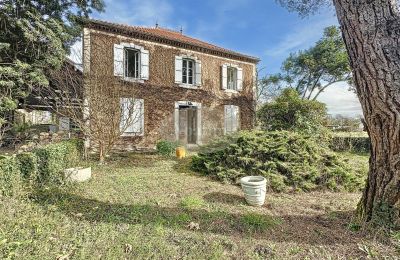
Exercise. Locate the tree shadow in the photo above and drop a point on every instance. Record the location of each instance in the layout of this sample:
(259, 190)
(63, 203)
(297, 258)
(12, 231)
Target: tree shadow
(225, 198)
(313, 229)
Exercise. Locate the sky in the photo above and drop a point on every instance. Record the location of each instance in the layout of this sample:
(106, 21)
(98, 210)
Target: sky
(260, 28)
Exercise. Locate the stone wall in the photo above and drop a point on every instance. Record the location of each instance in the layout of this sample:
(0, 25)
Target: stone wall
(160, 92)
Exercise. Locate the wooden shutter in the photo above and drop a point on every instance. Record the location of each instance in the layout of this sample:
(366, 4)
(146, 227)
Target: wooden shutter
(118, 60)
(138, 117)
(227, 117)
(224, 78)
(235, 118)
(198, 72)
(144, 64)
(124, 114)
(239, 79)
(178, 69)
(132, 123)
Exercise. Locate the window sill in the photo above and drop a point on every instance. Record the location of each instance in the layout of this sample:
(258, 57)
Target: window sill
(189, 86)
(231, 91)
(133, 80)
(132, 134)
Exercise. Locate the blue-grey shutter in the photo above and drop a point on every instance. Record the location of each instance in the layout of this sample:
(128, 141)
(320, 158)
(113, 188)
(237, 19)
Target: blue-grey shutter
(118, 60)
(198, 72)
(224, 76)
(239, 79)
(178, 69)
(144, 64)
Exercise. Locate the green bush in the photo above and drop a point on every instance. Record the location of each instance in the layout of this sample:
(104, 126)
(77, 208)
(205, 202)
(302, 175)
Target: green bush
(10, 176)
(290, 112)
(166, 148)
(54, 158)
(289, 160)
(28, 166)
(359, 144)
(43, 166)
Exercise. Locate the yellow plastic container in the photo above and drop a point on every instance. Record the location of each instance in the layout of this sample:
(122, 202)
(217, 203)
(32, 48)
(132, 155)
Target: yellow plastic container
(180, 152)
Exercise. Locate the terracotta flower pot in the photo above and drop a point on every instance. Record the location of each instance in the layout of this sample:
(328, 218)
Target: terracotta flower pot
(180, 152)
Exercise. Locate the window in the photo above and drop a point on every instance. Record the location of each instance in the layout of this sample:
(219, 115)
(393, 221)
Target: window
(187, 71)
(132, 116)
(232, 78)
(231, 119)
(132, 63)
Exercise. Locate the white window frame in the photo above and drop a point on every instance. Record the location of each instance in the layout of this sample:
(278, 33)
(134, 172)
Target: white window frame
(196, 73)
(120, 62)
(137, 66)
(186, 75)
(232, 85)
(138, 123)
(229, 125)
(236, 84)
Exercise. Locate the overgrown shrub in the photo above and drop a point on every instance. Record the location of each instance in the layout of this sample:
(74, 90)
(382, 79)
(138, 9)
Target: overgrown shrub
(41, 167)
(166, 148)
(54, 158)
(350, 144)
(290, 112)
(289, 160)
(28, 166)
(10, 177)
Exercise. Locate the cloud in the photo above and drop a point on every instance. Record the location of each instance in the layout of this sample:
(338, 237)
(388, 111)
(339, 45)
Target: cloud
(302, 36)
(340, 100)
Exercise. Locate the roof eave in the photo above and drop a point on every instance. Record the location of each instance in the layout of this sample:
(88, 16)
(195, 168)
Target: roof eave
(147, 36)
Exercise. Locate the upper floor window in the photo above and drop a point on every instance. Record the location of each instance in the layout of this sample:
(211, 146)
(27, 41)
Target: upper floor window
(187, 71)
(131, 61)
(232, 77)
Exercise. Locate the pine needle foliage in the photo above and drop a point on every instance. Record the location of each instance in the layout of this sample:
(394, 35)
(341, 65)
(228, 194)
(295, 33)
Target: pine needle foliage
(289, 161)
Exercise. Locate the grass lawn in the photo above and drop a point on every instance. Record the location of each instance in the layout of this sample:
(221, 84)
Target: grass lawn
(143, 206)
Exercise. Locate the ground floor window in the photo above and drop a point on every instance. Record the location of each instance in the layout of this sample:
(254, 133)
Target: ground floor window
(231, 119)
(132, 116)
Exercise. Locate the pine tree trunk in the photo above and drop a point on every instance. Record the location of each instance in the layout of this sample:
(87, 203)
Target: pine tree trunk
(371, 31)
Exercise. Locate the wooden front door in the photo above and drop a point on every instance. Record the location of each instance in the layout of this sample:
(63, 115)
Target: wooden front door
(187, 125)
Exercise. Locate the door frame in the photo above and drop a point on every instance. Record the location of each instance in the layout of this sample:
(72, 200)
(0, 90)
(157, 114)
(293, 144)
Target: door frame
(199, 123)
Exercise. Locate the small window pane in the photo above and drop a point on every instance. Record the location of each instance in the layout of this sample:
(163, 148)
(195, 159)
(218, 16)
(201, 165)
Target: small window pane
(132, 63)
(187, 71)
(232, 78)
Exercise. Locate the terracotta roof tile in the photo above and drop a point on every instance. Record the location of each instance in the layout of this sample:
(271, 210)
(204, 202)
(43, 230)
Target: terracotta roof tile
(169, 37)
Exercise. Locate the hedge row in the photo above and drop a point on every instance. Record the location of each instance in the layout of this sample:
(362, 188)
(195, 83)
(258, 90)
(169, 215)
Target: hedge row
(43, 166)
(350, 144)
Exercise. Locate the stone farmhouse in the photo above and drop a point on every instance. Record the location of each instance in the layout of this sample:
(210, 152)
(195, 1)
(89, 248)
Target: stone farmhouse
(187, 90)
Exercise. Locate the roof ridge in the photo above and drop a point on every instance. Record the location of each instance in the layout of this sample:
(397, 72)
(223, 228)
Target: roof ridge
(174, 36)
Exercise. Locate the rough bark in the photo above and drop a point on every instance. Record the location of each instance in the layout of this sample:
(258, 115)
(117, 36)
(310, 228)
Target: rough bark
(371, 31)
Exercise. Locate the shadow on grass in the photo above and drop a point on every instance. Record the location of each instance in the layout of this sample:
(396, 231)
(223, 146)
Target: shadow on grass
(183, 165)
(226, 198)
(316, 229)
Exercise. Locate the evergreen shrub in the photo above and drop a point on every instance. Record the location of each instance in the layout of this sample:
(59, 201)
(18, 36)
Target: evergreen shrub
(289, 161)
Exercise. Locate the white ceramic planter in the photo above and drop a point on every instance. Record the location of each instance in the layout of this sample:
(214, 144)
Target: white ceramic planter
(78, 174)
(254, 188)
